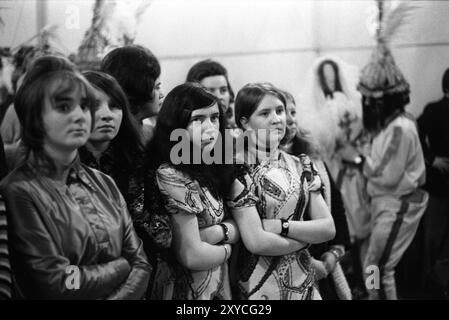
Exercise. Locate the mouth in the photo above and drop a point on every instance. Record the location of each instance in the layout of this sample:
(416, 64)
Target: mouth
(78, 131)
(207, 141)
(106, 127)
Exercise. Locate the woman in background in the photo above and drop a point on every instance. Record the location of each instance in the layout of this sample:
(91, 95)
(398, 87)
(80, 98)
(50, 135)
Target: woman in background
(331, 111)
(327, 254)
(115, 145)
(214, 77)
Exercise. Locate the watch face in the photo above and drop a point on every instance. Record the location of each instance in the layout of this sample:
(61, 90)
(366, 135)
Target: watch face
(285, 225)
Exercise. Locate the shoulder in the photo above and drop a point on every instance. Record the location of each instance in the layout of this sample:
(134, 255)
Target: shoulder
(435, 107)
(300, 161)
(398, 132)
(101, 180)
(168, 173)
(17, 181)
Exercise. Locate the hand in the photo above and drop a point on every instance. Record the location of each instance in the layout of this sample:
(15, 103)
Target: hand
(348, 153)
(320, 269)
(315, 185)
(211, 234)
(442, 164)
(329, 261)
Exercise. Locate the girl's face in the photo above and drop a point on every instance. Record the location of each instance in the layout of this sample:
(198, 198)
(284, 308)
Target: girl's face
(107, 119)
(292, 122)
(268, 121)
(204, 126)
(66, 119)
(152, 107)
(218, 86)
(329, 76)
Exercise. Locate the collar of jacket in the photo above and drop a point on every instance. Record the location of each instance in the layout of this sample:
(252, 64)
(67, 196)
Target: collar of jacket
(43, 166)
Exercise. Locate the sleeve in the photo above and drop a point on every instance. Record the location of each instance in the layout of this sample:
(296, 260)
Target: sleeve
(179, 193)
(389, 154)
(339, 216)
(156, 222)
(153, 224)
(10, 127)
(243, 190)
(38, 264)
(424, 123)
(5, 267)
(136, 284)
(3, 168)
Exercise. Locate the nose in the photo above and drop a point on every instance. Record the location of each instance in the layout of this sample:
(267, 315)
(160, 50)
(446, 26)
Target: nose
(80, 115)
(290, 119)
(275, 118)
(106, 115)
(207, 124)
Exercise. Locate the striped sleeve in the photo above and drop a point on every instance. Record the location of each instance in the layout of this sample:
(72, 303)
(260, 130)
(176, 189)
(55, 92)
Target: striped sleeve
(5, 268)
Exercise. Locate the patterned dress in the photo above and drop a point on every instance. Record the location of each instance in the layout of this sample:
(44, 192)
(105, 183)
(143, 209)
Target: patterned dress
(172, 281)
(278, 189)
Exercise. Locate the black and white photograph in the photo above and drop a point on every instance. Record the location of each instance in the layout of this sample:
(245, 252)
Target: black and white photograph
(230, 150)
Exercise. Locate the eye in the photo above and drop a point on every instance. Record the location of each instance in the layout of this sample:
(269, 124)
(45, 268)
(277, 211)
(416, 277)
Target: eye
(279, 110)
(87, 104)
(293, 113)
(63, 107)
(264, 114)
(223, 90)
(115, 107)
(214, 118)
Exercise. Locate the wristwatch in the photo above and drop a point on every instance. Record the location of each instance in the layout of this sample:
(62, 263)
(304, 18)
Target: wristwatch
(225, 231)
(284, 224)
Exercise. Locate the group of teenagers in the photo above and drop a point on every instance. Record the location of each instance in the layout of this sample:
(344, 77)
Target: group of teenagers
(93, 187)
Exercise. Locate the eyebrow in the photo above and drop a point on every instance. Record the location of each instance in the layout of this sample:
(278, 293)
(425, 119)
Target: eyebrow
(270, 108)
(62, 98)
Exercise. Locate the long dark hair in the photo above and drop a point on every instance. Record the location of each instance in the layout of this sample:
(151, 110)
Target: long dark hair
(326, 90)
(128, 141)
(136, 68)
(175, 113)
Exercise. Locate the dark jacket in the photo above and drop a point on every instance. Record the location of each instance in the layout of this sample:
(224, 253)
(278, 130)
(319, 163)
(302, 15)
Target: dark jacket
(433, 126)
(54, 232)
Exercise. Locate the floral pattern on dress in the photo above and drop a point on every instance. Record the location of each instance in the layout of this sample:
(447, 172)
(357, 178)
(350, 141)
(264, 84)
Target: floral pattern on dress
(173, 281)
(278, 188)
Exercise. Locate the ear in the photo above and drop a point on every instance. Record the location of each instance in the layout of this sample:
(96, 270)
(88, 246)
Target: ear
(244, 123)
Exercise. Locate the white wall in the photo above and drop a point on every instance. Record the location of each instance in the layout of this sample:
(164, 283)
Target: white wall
(421, 48)
(258, 40)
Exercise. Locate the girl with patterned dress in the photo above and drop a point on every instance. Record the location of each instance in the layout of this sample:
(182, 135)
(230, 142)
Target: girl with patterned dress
(271, 199)
(195, 267)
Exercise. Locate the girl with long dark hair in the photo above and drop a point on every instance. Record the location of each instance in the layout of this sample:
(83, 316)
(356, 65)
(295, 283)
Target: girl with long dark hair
(192, 195)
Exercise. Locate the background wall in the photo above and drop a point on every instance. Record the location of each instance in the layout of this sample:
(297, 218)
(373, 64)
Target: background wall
(257, 40)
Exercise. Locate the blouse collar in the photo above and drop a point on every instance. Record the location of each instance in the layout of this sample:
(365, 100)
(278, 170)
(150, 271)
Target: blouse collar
(42, 165)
